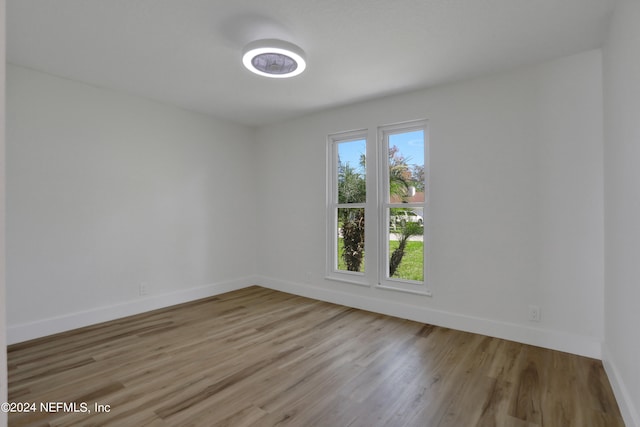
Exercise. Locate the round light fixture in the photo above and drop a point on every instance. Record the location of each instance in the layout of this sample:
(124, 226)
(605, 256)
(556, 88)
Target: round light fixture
(274, 58)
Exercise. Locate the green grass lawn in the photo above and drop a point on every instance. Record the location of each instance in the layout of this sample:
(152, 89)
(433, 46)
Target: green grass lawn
(411, 266)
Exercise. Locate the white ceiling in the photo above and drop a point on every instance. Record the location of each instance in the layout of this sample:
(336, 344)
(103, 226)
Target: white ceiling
(188, 52)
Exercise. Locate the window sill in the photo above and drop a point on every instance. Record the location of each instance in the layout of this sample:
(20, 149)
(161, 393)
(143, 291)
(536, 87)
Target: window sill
(347, 279)
(424, 292)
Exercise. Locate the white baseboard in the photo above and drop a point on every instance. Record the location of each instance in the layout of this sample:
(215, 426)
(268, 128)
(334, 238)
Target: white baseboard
(581, 345)
(27, 331)
(630, 413)
(561, 341)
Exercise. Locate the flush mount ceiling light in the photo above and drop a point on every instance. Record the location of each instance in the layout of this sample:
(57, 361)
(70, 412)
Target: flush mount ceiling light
(274, 58)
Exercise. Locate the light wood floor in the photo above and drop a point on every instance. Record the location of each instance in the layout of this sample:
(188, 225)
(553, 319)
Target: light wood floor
(258, 357)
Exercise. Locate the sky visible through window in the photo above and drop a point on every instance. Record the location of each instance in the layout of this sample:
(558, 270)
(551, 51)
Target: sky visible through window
(410, 145)
(350, 153)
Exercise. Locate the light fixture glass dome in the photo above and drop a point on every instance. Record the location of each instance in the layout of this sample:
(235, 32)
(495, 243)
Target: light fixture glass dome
(274, 58)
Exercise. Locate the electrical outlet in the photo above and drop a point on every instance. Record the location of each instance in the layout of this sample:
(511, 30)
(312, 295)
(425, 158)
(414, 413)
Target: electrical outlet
(534, 313)
(308, 277)
(142, 289)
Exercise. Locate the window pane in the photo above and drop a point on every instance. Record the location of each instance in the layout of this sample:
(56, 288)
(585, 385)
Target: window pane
(352, 186)
(350, 239)
(406, 244)
(406, 167)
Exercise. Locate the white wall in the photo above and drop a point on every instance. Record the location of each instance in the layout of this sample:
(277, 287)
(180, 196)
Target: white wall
(3, 342)
(622, 207)
(516, 204)
(106, 191)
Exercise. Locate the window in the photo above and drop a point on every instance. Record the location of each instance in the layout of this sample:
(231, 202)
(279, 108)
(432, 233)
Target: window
(347, 205)
(393, 199)
(403, 189)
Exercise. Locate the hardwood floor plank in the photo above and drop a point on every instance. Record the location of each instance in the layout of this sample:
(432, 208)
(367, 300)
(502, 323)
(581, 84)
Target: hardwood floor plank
(258, 357)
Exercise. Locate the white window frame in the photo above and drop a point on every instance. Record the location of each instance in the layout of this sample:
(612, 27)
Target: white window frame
(384, 205)
(334, 140)
(376, 209)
